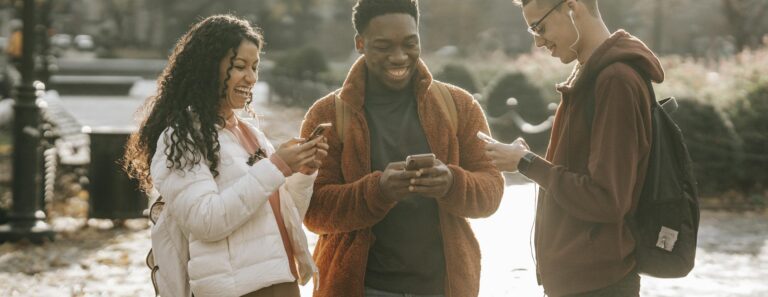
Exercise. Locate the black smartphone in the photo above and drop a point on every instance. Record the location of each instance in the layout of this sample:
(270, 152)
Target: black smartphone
(319, 130)
(416, 162)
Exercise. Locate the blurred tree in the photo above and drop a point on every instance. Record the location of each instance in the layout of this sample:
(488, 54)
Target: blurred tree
(459, 75)
(290, 23)
(747, 20)
(530, 107)
(713, 145)
(304, 63)
(750, 119)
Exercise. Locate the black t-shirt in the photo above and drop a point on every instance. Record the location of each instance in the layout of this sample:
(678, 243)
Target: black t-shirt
(407, 255)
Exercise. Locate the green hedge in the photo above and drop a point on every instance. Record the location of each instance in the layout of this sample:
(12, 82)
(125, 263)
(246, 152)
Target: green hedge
(299, 77)
(304, 63)
(459, 75)
(750, 119)
(713, 146)
(530, 106)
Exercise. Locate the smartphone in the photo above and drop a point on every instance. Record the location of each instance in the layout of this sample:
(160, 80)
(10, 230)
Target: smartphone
(319, 130)
(416, 162)
(485, 137)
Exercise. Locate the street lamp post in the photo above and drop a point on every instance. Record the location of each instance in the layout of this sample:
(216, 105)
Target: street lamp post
(26, 221)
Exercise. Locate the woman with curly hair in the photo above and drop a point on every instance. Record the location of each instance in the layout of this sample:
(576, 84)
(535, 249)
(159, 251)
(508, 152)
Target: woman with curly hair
(233, 205)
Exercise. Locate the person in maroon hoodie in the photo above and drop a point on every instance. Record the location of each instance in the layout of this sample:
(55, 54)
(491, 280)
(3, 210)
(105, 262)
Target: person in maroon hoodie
(596, 161)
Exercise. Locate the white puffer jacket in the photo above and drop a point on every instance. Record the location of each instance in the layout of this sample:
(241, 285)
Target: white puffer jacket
(234, 243)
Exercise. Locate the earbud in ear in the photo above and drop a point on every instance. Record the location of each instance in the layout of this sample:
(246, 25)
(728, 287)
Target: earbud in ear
(570, 12)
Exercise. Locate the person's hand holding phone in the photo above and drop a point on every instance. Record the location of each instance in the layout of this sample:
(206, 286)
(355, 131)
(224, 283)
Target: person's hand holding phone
(486, 138)
(297, 152)
(506, 156)
(321, 146)
(319, 130)
(395, 180)
(321, 151)
(433, 181)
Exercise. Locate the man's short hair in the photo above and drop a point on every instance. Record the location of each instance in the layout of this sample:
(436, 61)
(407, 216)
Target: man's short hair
(591, 4)
(365, 10)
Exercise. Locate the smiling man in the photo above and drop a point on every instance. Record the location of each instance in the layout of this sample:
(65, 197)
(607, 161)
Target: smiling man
(385, 230)
(598, 152)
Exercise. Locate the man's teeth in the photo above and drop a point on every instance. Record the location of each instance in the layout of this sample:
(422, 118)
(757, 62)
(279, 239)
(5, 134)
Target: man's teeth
(397, 73)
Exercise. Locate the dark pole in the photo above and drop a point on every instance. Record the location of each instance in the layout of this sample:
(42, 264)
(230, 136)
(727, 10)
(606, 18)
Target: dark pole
(658, 26)
(45, 41)
(26, 221)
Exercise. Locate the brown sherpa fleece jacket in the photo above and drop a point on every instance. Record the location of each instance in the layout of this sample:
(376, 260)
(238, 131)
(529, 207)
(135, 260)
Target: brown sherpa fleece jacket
(347, 202)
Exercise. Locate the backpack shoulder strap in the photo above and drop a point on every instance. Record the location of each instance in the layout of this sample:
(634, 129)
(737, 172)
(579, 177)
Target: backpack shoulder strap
(446, 103)
(342, 114)
(591, 98)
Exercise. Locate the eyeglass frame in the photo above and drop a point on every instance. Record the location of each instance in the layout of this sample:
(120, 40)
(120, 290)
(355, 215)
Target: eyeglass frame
(533, 27)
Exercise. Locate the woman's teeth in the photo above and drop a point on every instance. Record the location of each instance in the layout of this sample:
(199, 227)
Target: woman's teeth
(243, 91)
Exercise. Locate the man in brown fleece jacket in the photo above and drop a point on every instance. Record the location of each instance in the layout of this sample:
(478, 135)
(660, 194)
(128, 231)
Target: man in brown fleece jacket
(384, 230)
(596, 161)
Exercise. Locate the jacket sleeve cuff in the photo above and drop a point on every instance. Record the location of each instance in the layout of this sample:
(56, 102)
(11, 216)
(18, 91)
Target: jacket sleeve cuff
(459, 181)
(376, 199)
(281, 165)
(538, 171)
(267, 174)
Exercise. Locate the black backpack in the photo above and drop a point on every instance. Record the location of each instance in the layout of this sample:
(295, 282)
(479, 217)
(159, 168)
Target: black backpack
(666, 222)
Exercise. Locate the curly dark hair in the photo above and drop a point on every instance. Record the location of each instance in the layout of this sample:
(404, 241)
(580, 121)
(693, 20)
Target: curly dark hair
(365, 10)
(188, 99)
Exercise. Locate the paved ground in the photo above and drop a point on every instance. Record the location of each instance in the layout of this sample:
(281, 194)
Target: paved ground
(732, 257)
(92, 259)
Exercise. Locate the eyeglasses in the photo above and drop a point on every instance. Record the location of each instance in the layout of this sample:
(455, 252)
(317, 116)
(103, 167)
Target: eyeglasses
(534, 27)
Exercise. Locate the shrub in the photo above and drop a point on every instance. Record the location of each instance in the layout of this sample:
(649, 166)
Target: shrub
(304, 63)
(750, 119)
(530, 106)
(712, 143)
(298, 78)
(459, 75)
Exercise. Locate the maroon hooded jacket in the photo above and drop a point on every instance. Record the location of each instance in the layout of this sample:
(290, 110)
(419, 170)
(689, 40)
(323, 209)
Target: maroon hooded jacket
(592, 175)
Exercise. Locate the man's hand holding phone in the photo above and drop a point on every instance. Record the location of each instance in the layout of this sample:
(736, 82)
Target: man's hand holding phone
(506, 156)
(433, 179)
(395, 180)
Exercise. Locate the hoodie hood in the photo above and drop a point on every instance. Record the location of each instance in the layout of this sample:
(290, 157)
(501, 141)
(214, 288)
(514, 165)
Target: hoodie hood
(621, 47)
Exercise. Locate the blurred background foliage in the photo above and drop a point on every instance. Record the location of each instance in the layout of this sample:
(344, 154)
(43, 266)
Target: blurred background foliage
(714, 53)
